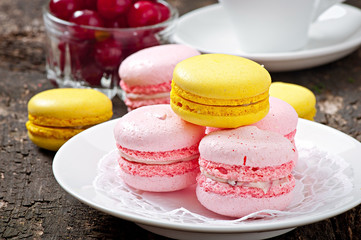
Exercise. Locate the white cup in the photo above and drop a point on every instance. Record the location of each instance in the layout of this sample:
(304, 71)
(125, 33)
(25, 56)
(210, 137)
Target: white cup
(265, 26)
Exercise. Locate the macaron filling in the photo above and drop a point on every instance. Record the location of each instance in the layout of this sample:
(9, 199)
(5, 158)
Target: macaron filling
(53, 132)
(166, 157)
(219, 110)
(270, 188)
(228, 102)
(50, 121)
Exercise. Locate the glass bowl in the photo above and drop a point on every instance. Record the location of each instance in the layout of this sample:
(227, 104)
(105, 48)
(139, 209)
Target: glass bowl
(81, 56)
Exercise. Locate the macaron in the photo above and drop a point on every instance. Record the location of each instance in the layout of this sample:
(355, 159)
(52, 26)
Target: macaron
(300, 98)
(58, 114)
(220, 90)
(147, 74)
(282, 118)
(158, 151)
(245, 170)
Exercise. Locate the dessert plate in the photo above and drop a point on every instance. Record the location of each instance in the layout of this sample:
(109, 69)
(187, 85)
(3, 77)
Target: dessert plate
(335, 34)
(75, 167)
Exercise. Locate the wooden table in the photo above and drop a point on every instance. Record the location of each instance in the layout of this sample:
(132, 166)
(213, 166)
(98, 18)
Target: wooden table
(34, 206)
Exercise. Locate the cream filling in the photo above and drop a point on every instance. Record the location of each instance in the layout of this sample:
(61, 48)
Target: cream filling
(133, 159)
(265, 186)
(146, 96)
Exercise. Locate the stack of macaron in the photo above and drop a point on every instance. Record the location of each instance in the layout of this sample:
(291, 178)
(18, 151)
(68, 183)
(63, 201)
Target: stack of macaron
(147, 74)
(244, 162)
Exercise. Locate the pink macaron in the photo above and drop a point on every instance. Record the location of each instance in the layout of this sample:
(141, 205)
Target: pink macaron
(146, 75)
(245, 170)
(282, 118)
(158, 151)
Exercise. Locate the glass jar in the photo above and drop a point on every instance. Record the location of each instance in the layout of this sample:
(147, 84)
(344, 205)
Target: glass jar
(81, 56)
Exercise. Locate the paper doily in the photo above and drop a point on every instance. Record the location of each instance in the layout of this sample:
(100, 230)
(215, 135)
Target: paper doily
(320, 178)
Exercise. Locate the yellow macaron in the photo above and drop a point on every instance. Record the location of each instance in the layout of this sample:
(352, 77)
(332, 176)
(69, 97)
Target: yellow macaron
(56, 115)
(220, 90)
(299, 97)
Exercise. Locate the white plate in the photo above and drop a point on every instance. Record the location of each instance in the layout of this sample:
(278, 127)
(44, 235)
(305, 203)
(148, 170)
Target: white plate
(75, 168)
(335, 34)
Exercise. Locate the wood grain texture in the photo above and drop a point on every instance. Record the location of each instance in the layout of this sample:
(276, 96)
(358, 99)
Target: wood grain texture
(34, 206)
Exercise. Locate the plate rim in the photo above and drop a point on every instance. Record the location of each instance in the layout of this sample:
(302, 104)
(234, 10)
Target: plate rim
(241, 228)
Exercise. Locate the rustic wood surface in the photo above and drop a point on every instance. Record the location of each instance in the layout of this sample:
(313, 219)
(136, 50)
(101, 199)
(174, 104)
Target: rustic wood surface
(34, 206)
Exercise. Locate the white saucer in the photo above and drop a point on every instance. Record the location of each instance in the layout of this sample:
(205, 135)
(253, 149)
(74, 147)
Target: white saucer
(75, 168)
(335, 34)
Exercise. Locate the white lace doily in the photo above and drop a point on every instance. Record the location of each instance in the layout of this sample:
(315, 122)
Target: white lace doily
(321, 178)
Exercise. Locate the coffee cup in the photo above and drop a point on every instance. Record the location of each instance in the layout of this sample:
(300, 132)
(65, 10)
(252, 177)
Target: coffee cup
(269, 26)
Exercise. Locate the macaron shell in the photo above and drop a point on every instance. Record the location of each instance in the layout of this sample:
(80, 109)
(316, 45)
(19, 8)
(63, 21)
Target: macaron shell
(150, 170)
(159, 178)
(247, 146)
(237, 206)
(156, 128)
(52, 144)
(245, 173)
(281, 118)
(154, 65)
(160, 183)
(146, 89)
(69, 107)
(221, 76)
(300, 98)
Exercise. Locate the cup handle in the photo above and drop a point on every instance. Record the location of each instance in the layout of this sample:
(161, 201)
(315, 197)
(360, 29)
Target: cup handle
(323, 5)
